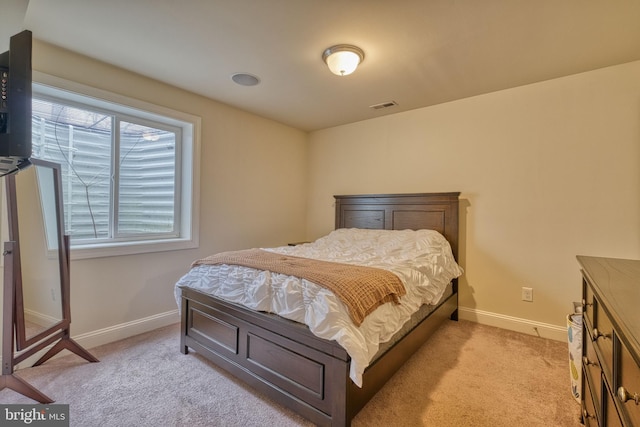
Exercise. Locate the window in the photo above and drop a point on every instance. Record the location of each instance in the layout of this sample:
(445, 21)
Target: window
(129, 169)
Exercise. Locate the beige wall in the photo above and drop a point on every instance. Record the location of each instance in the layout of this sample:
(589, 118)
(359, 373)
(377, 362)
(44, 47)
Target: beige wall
(252, 193)
(546, 171)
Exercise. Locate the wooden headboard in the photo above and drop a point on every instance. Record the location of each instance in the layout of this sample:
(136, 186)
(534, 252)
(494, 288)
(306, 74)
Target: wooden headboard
(434, 211)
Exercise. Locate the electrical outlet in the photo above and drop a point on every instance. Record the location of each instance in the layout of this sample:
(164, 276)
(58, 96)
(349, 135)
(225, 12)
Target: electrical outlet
(53, 294)
(527, 294)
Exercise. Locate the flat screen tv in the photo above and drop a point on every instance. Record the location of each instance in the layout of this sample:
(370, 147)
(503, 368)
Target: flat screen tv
(15, 104)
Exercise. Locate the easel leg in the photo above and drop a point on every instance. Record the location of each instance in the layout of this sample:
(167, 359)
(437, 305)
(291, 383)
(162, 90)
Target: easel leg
(21, 386)
(69, 344)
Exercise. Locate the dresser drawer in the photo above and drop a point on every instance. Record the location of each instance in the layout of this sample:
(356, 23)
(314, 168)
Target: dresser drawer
(611, 413)
(603, 339)
(589, 414)
(628, 388)
(592, 371)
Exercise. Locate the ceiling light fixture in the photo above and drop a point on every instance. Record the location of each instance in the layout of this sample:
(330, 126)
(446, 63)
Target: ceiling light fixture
(343, 59)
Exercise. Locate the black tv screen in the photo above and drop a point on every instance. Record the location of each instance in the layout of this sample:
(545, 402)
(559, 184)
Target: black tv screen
(15, 104)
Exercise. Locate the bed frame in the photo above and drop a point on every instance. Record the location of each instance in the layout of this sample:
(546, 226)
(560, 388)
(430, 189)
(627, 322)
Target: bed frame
(283, 358)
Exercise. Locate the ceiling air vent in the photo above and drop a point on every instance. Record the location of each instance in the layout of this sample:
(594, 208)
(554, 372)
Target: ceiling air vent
(383, 105)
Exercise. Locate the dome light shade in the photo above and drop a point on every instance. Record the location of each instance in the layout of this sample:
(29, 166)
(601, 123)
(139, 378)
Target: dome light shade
(343, 59)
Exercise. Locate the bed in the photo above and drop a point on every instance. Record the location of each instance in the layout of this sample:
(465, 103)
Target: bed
(311, 375)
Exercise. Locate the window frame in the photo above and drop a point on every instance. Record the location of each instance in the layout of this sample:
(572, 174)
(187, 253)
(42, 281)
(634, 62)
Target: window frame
(187, 167)
(116, 153)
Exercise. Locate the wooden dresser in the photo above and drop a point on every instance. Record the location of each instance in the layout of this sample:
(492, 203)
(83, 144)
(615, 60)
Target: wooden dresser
(611, 341)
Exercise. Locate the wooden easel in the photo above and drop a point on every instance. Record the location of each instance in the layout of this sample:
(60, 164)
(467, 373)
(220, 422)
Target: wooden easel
(13, 319)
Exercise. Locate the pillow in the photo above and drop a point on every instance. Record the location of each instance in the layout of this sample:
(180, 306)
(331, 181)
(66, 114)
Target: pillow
(426, 251)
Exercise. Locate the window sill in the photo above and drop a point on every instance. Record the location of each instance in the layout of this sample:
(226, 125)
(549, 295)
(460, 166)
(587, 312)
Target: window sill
(131, 248)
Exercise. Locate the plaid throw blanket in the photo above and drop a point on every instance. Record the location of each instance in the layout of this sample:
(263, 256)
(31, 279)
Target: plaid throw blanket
(361, 289)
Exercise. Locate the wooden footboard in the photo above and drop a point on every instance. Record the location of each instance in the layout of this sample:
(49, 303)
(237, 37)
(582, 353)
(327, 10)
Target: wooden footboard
(274, 355)
(287, 362)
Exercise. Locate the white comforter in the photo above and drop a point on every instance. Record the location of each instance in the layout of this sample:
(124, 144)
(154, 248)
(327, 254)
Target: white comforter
(421, 259)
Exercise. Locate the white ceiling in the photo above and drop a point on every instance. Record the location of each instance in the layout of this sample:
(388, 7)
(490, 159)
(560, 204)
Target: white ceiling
(418, 52)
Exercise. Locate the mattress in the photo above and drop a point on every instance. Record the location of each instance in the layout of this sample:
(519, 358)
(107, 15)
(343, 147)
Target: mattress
(422, 259)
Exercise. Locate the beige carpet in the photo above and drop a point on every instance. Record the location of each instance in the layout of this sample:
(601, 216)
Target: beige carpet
(466, 375)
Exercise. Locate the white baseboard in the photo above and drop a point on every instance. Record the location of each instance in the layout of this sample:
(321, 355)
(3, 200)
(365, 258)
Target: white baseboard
(544, 330)
(126, 330)
(40, 319)
(129, 329)
(111, 334)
